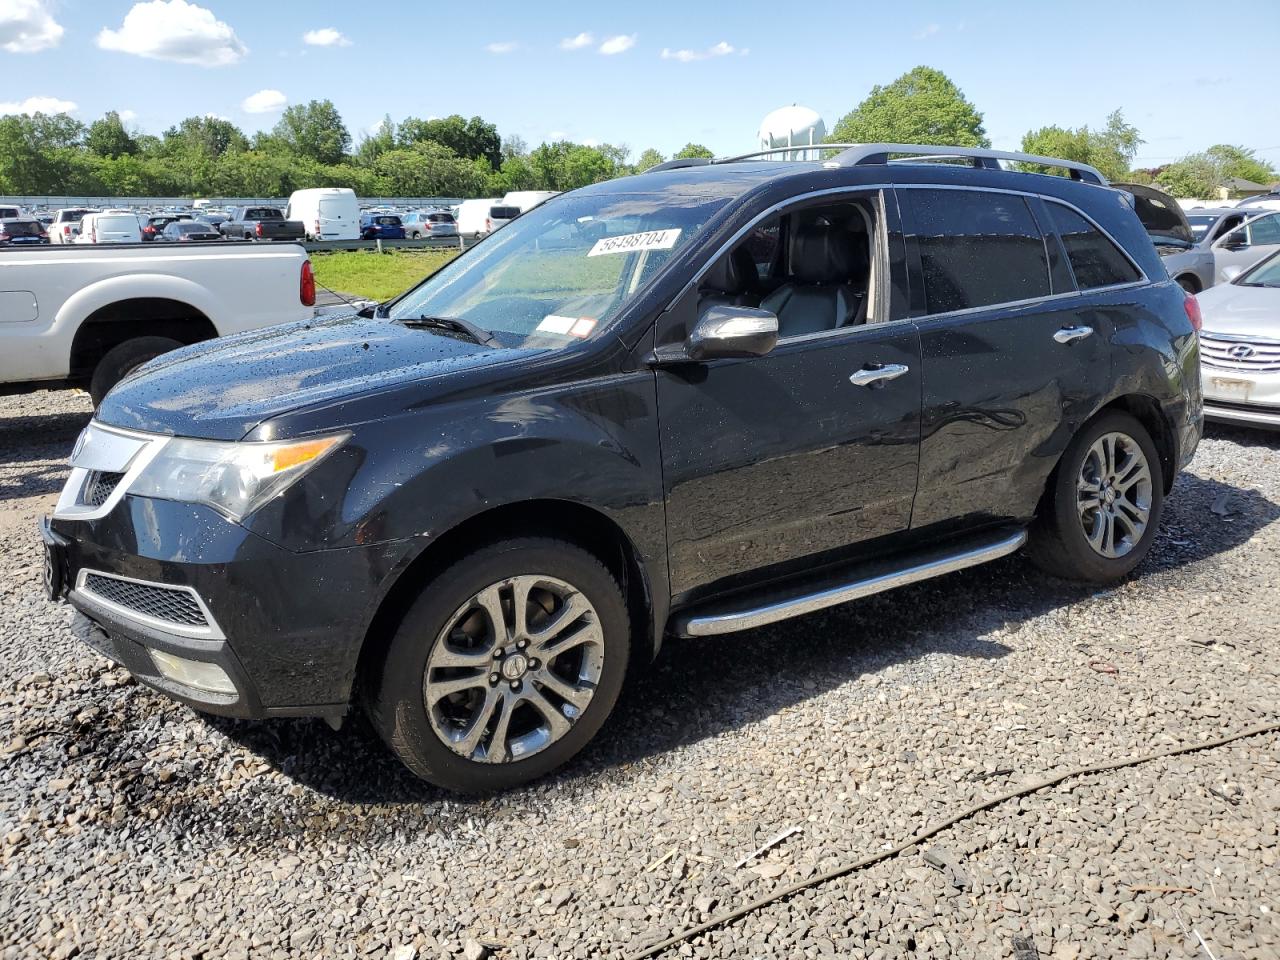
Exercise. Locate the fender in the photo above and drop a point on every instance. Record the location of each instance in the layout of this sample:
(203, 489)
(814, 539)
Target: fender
(135, 286)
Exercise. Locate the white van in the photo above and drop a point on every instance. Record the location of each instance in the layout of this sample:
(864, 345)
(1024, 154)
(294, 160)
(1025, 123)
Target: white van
(112, 226)
(526, 200)
(476, 218)
(327, 213)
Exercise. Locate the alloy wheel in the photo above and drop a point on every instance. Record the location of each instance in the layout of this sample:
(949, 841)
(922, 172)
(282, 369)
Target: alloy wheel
(1113, 494)
(513, 669)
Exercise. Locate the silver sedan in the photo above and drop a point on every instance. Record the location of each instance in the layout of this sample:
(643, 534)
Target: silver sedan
(1240, 347)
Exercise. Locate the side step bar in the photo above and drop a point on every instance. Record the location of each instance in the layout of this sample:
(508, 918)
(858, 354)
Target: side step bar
(713, 624)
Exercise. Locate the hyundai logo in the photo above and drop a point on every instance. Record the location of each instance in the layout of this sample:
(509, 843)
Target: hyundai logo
(1241, 351)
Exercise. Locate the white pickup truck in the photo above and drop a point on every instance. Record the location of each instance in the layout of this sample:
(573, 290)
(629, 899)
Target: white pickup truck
(86, 316)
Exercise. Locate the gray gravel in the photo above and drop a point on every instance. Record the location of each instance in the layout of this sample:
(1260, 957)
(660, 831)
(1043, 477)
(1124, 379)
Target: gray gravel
(130, 826)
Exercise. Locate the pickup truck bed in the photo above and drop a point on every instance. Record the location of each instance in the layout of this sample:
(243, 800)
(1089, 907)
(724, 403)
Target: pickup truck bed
(88, 315)
(261, 223)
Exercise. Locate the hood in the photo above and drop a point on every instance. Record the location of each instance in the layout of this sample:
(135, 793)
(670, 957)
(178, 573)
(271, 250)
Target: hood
(1238, 310)
(221, 389)
(1159, 213)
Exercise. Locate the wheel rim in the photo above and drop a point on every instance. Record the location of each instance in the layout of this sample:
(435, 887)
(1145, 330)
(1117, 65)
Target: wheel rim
(513, 669)
(1113, 495)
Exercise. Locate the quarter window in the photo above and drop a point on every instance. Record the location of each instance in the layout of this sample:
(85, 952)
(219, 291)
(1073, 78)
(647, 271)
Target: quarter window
(977, 249)
(1095, 260)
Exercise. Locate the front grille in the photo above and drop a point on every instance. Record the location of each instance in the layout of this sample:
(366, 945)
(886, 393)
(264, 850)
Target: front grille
(98, 487)
(1253, 355)
(170, 604)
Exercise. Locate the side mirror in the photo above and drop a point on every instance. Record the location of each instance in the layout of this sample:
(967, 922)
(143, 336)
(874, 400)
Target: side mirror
(1235, 240)
(725, 331)
(1230, 273)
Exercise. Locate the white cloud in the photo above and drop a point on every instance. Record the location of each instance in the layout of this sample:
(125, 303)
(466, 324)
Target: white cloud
(555, 135)
(619, 44)
(501, 46)
(38, 105)
(325, 37)
(578, 42)
(264, 101)
(929, 30)
(721, 49)
(26, 26)
(127, 116)
(175, 30)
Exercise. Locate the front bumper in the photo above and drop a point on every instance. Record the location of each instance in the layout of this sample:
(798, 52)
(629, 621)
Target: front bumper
(286, 628)
(1241, 396)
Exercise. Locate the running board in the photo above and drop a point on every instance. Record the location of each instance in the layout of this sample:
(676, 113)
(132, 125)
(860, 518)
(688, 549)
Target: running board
(712, 624)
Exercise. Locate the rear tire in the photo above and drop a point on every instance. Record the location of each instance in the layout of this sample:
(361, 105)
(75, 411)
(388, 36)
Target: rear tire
(122, 359)
(473, 705)
(1103, 503)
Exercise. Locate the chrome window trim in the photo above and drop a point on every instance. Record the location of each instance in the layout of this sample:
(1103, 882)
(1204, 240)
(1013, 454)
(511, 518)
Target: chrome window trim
(69, 506)
(210, 632)
(729, 244)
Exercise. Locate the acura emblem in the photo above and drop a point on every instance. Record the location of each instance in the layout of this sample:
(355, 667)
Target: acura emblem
(1241, 351)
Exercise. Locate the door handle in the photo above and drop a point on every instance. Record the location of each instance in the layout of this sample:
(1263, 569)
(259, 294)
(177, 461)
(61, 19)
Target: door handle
(869, 376)
(1071, 334)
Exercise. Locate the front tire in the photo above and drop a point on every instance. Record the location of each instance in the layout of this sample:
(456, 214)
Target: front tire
(505, 666)
(122, 359)
(1103, 504)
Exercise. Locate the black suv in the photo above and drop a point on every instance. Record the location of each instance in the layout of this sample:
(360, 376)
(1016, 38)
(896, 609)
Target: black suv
(688, 402)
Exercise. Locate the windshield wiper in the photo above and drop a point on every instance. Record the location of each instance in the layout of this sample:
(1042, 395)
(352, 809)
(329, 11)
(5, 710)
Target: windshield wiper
(454, 325)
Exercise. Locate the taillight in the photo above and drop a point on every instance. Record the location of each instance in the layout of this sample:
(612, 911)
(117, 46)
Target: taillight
(4, 238)
(488, 224)
(317, 233)
(1192, 306)
(307, 285)
(258, 230)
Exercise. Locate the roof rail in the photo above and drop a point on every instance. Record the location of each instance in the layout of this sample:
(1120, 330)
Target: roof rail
(873, 153)
(679, 164)
(797, 148)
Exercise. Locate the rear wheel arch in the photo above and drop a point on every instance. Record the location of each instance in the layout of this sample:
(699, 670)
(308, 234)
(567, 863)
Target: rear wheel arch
(1190, 283)
(580, 525)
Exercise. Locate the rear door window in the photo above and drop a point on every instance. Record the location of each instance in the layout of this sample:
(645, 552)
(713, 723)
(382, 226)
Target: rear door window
(977, 249)
(1265, 230)
(1096, 261)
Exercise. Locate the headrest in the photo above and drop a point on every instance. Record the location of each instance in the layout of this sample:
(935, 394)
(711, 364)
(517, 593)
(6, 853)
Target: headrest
(725, 274)
(822, 254)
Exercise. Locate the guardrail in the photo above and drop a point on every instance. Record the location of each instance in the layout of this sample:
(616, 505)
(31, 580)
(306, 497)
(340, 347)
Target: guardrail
(431, 243)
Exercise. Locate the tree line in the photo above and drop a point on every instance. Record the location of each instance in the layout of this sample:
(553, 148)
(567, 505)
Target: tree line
(310, 146)
(925, 106)
(452, 156)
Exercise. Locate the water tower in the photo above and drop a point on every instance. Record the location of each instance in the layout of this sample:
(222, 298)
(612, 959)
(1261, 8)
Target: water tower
(793, 126)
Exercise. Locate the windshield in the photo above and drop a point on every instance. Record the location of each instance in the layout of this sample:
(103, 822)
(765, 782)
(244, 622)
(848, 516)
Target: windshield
(1265, 274)
(563, 271)
(1200, 225)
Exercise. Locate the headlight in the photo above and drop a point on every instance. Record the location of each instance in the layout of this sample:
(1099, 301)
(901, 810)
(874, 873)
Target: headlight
(233, 478)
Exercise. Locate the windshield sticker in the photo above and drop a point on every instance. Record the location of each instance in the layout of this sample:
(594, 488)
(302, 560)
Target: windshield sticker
(568, 326)
(631, 242)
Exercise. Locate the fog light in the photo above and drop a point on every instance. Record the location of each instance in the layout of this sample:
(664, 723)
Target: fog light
(193, 673)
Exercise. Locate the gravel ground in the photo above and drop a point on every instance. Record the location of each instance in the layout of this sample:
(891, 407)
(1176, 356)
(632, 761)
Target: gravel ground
(133, 827)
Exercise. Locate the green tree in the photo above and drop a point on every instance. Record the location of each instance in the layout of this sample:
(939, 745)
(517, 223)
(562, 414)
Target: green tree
(692, 151)
(38, 152)
(108, 137)
(377, 143)
(471, 139)
(1110, 149)
(315, 131)
(649, 158)
(429, 169)
(921, 106)
(1196, 175)
(210, 136)
(514, 146)
(1234, 161)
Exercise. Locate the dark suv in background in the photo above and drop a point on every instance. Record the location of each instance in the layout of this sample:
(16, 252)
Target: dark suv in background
(688, 402)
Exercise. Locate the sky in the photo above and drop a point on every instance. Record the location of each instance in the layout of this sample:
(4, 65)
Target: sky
(654, 74)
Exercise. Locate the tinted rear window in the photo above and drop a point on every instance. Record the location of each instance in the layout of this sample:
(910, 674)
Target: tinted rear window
(440, 217)
(1097, 261)
(263, 213)
(8, 212)
(504, 213)
(21, 228)
(978, 249)
(387, 221)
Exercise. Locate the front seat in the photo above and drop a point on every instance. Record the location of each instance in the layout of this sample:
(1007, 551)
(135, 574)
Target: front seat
(819, 295)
